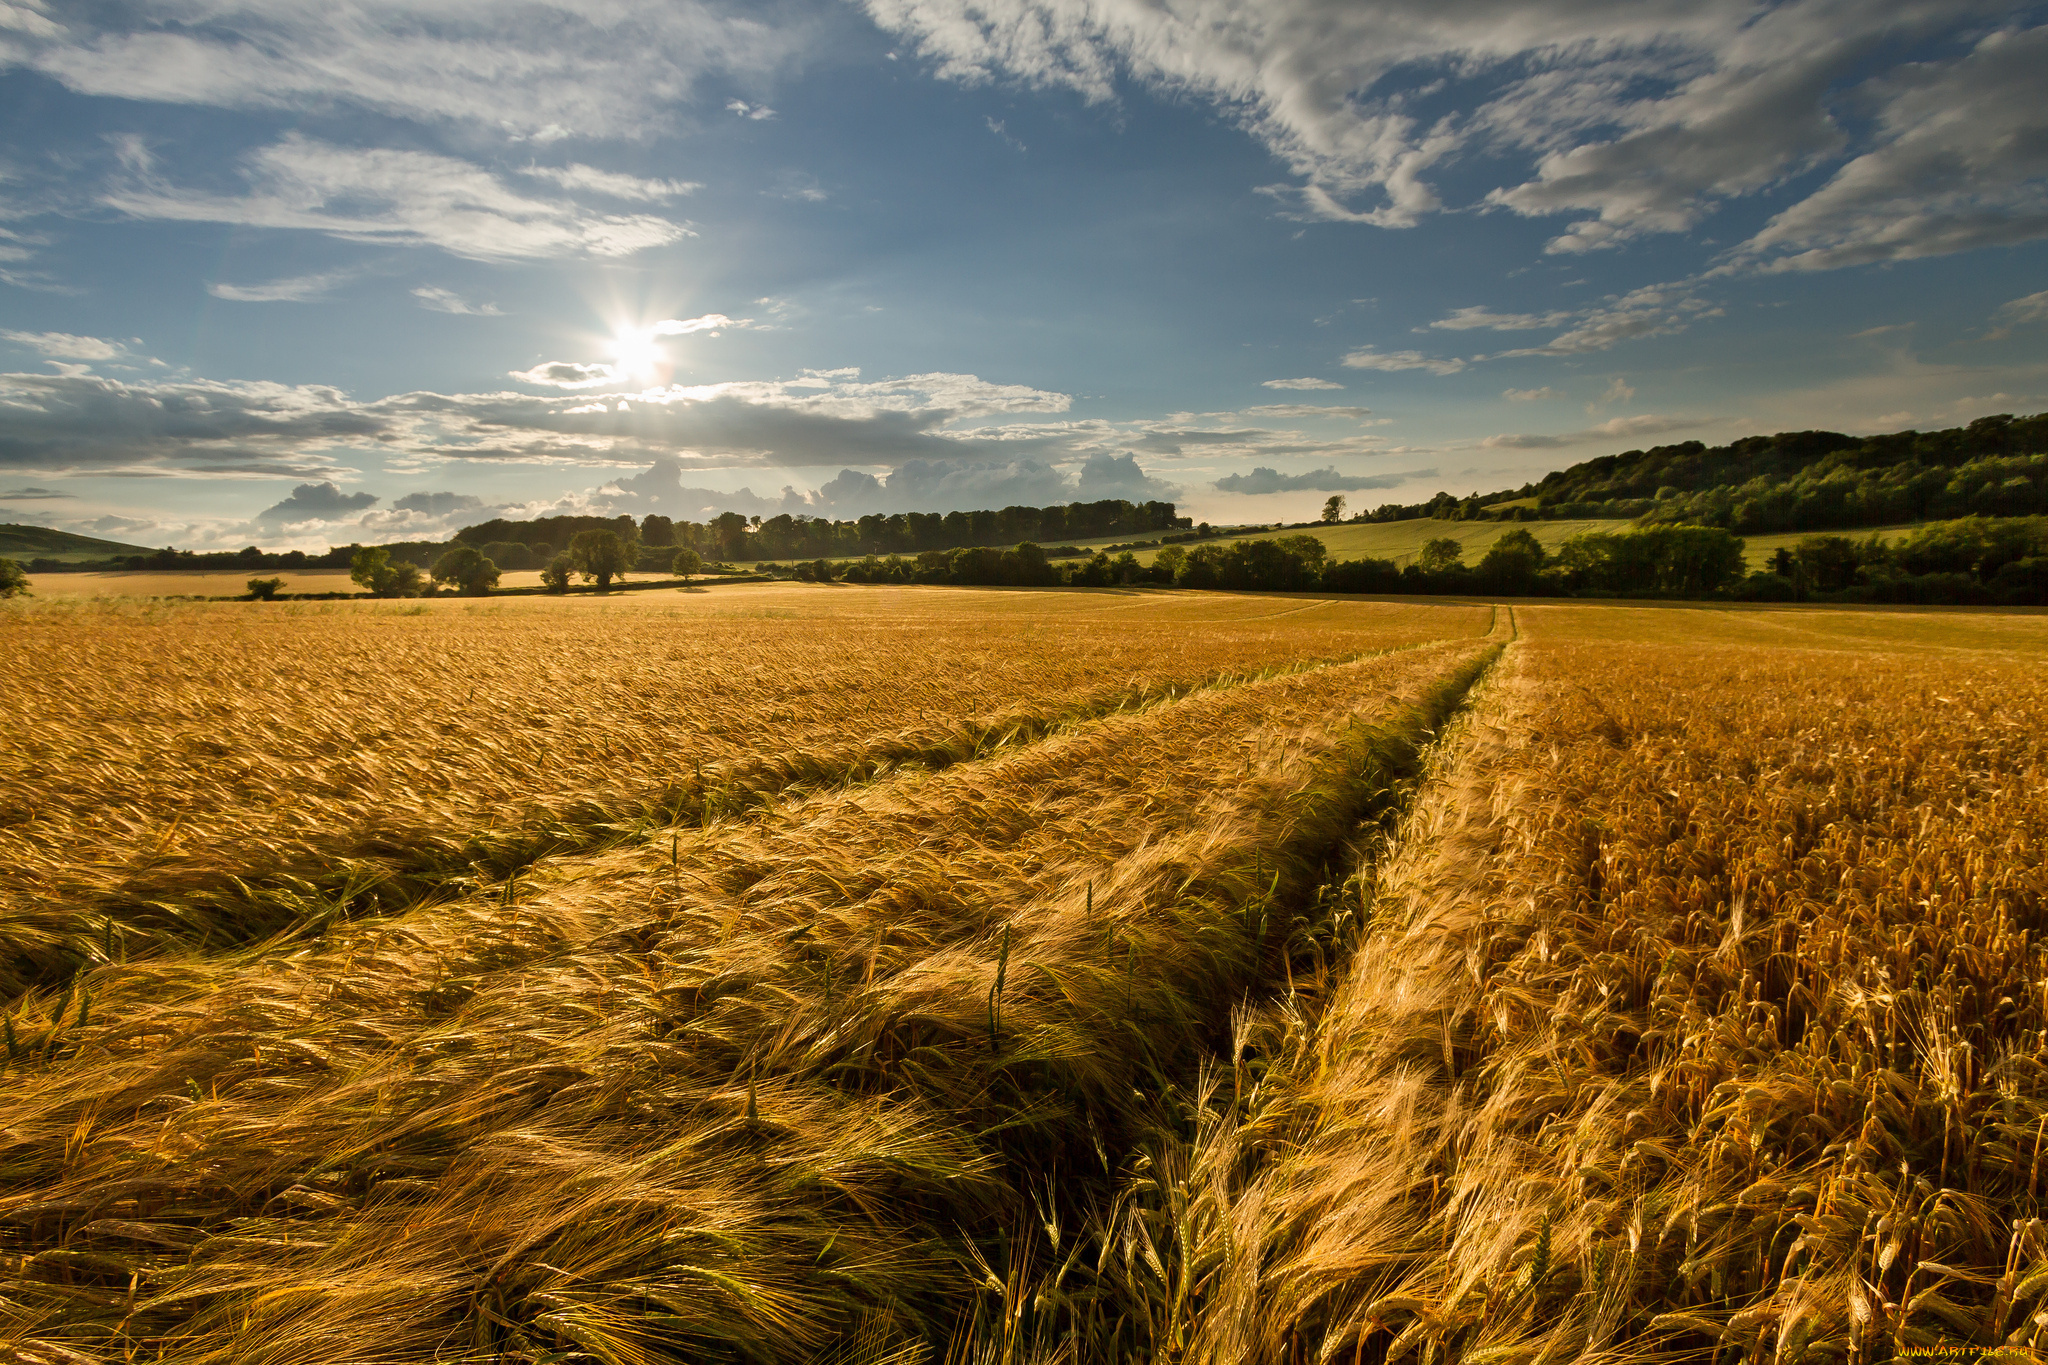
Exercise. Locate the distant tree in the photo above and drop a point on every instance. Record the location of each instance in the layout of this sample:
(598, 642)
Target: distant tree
(265, 589)
(686, 565)
(1441, 554)
(1513, 562)
(1166, 564)
(13, 581)
(555, 577)
(600, 555)
(465, 567)
(1333, 510)
(373, 570)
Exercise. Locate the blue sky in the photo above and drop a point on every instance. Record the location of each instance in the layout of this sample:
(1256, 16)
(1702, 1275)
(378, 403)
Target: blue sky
(301, 273)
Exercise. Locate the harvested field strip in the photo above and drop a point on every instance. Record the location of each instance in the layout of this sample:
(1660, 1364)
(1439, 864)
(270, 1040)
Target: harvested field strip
(776, 1088)
(1702, 1012)
(362, 760)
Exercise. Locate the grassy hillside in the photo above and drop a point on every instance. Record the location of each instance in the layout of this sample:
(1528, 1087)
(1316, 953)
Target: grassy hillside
(1403, 540)
(40, 542)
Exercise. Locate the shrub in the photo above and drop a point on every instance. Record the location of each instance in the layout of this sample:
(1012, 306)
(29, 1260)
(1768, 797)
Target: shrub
(687, 564)
(13, 581)
(265, 589)
(555, 577)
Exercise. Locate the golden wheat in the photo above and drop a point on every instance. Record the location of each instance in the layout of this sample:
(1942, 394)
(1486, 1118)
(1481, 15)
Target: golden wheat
(1702, 1012)
(747, 1087)
(215, 774)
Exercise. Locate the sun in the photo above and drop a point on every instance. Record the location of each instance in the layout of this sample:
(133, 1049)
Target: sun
(637, 355)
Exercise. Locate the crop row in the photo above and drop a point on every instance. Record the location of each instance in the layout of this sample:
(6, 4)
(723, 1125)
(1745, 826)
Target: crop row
(207, 777)
(1701, 1013)
(748, 1089)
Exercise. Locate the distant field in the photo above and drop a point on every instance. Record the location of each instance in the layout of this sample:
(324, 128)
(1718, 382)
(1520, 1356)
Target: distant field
(1403, 540)
(184, 582)
(1757, 549)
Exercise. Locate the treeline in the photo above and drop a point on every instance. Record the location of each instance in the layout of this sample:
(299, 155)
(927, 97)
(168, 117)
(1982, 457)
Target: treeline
(1969, 561)
(1972, 560)
(730, 537)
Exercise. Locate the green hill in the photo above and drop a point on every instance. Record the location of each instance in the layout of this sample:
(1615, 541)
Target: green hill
(40, 542)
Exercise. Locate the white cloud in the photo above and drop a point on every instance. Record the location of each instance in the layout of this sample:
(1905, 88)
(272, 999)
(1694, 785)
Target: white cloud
(1307, 410)
(751, 111)
(312, 502)
(542, 70)
(400, 198)
(1643, 115)
(568, 374)
(710, 322)
(1366, 358)
(577, 176)
(1963, 163)
(2020, 312)
(1530, 395)
(65, 346)
(1617, 392)
(440, 300)
(1300, 384)
(1652, 311)
(297, 289)
(1466, 319)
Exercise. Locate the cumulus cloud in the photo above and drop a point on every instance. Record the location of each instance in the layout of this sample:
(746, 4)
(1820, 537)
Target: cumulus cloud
(567, 374)
(1625, 428)
(198, 426)
(1367, 358)
(65, 346)
(315, 502)
(749, 111)
(440, 300)
(1300, 384)
(916, 485)
(541, 71)
(296, 289)
(397, 198)
(612, 184)
(1326, 480)
(438, 504)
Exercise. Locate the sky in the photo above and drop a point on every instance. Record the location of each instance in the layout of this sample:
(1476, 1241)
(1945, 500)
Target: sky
(295, 274)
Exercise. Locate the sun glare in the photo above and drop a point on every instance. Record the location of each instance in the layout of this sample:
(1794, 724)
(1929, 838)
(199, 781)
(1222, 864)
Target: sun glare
(638, 355)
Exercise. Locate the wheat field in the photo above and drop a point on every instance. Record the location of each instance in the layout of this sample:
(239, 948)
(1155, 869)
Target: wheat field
(927, 975)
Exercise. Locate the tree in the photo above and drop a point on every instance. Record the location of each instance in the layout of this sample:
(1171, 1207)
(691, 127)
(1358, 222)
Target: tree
(1333, 510)
(555, 577)
(600, 555)
(1440, 555)
(1513, 562)
(466, 568)
(372, 569)
(687, 564)
(13, 581)
(265, 589)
